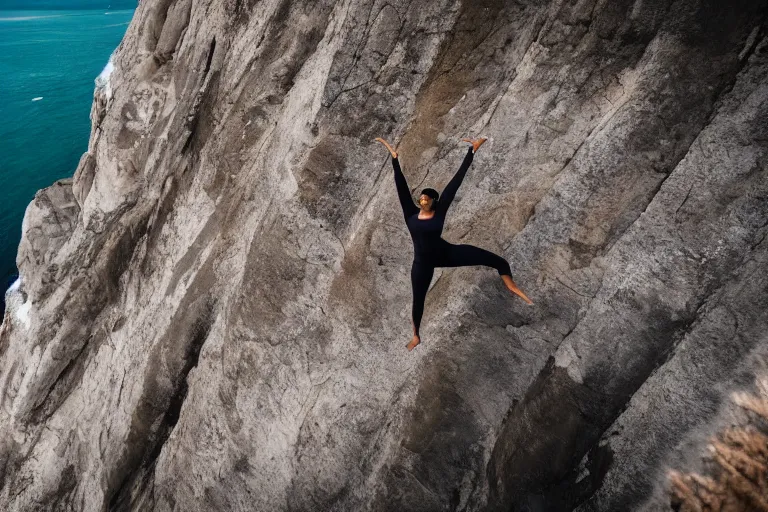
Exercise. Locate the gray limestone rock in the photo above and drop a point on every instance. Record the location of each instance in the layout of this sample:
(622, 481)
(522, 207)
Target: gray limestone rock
(212, 313)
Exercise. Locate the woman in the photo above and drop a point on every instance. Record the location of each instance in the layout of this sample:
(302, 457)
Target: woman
(430, 250)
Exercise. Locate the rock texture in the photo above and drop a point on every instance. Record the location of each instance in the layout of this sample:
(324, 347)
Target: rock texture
(212, 314)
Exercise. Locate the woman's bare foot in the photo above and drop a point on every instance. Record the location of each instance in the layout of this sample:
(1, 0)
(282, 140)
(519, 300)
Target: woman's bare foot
(386, 144)
(476, 143)
(511, 286)
(414, 341)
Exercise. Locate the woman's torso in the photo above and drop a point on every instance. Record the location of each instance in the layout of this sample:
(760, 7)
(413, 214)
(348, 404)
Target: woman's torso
(426, 235)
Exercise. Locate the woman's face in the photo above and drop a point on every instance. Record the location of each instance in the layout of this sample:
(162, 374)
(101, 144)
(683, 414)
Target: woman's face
(426, 202)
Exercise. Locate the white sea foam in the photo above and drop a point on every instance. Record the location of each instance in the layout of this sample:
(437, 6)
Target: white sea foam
(15, 285)
(26, 18)
(37, 99)
(102, 81)
(13, 298)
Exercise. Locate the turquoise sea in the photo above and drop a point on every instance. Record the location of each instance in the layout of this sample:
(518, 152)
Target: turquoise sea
(48, 62)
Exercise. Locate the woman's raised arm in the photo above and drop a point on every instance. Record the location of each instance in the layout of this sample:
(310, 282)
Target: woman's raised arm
(449, 192)
(403, 192)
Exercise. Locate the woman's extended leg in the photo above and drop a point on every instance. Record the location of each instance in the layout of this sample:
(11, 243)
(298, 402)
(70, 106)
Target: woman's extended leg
(421, 276)
(464, 255)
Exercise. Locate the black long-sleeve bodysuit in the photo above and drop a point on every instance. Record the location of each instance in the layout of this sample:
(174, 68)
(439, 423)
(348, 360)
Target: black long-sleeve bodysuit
(429, 249)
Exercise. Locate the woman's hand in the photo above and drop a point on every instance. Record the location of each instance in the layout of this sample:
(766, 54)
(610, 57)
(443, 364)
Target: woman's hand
(476, 143)
(389, 148)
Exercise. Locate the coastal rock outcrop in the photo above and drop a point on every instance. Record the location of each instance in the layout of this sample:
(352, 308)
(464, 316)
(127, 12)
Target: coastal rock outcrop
(212, 313)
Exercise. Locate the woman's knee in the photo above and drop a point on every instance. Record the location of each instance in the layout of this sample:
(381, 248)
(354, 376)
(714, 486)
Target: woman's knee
(502, 266)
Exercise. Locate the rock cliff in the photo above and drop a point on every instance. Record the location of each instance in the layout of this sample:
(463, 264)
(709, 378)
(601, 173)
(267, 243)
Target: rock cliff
(212, 313)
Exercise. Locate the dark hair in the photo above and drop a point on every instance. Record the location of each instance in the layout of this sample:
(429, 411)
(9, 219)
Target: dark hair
(431, 193)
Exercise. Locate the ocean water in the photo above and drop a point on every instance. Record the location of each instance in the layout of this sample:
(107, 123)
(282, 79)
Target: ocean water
(48, 62)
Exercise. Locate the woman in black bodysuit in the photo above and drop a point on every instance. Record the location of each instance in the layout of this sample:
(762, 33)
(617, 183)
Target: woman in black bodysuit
(429, 249)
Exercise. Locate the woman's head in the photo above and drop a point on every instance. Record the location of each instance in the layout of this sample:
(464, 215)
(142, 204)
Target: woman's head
(428, 199)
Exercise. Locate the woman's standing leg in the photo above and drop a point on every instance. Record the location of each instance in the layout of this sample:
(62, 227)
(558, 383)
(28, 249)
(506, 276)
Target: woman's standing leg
(421, 276)
(464, 255)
